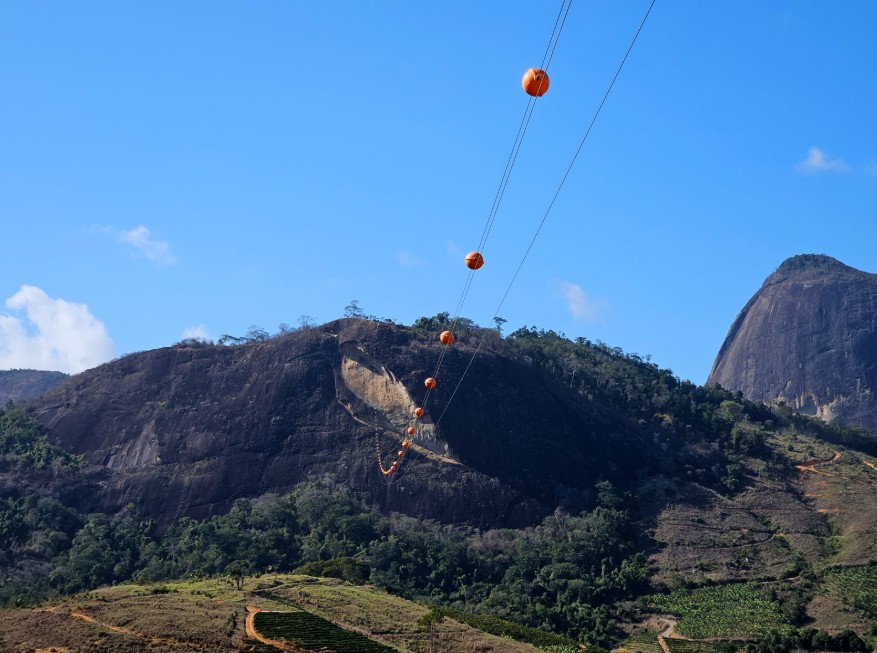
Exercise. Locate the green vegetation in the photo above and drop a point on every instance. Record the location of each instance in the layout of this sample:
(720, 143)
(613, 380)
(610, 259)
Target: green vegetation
(856, 586)
(808, 639)
(695, 646)
(563, 575)
(732, 611)
(23, 443)
(312, 632)
(502, 628)
(681, 413)
(646, 642)
(349, 569)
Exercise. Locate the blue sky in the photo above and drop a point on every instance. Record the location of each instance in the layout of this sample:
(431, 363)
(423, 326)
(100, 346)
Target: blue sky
(174, 168)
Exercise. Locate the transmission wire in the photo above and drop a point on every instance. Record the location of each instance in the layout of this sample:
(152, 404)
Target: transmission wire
(503, 184)
(550, 205)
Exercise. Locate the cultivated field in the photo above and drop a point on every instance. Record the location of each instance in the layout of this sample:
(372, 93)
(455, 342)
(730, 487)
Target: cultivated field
(732, 611)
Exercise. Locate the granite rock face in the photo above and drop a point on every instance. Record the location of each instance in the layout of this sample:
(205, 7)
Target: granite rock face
(809, 338)
(186, 430)
(21, 385)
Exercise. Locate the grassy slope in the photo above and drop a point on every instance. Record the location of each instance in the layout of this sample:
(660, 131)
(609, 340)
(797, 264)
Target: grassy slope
(387, 618)
(210, 614)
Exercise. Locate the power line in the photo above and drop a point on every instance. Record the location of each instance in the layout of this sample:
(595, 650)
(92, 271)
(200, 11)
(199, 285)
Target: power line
(553, 200)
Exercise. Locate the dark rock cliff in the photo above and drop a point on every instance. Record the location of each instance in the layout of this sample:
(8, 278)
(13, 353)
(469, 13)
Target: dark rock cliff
(808, 337)
(21, 385)
(186, 430)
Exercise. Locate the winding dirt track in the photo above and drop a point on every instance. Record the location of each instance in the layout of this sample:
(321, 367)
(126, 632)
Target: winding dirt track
(811, 466)
(871, 465)
(668, 632)
(249, 626)
(76, 614)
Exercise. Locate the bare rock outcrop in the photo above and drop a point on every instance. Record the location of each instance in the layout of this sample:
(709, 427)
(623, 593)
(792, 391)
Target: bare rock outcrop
(809, 338)
(186, 430)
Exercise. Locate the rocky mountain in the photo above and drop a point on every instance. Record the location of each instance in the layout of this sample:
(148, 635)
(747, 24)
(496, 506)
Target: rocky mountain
(808, 338)
(21, 385)
(275, 440)
(186, 430)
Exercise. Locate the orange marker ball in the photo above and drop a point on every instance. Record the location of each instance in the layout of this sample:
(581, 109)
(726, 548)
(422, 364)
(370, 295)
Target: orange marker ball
(447, 338)
(418, 412)
(401, 453)
(535, 82)
(411, 430)
(405, 444)
(474, 260)
(430, 383)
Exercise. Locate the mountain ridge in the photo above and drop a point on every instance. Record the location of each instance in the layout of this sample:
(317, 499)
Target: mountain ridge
(188, 429)
(23, 385)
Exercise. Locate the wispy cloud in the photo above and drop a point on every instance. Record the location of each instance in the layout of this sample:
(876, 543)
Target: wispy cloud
(409, 259)
(196, 332)
(580, 306)
(818, 161)
(155, 250)
(871, 170)
(54, 334)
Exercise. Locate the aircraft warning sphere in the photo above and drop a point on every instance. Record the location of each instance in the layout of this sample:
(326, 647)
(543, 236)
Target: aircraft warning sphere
(430, 383)
(447, 338)
(418, 412)
(474, 260)
(535, 82)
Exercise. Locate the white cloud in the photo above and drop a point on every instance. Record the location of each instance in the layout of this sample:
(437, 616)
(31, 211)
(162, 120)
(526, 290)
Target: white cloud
(197, 332)
(409, 260)
(155, 250)
(818, 161)
(581, 306)
(55, 335)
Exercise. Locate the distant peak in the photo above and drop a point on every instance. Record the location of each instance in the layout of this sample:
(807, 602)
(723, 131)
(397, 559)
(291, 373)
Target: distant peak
(804, 263)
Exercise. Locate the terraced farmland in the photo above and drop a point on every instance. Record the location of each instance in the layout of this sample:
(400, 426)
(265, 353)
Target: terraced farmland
(312, 632)
(643, 643)
(725, 611)
(690, 646)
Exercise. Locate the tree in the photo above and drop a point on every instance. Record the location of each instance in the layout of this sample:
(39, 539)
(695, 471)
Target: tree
(499, 321)
(257, 334)
(305, 321)
(238, 570)
(227, 339)
(353, 309)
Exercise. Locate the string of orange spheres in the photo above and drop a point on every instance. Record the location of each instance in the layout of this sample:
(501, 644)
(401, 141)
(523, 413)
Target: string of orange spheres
(535, 83)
